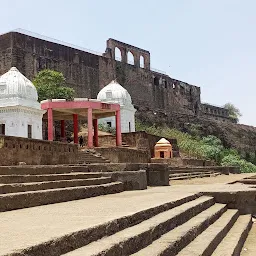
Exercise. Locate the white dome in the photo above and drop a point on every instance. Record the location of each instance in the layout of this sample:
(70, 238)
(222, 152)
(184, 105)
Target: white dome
(14, 85)
(114, 92)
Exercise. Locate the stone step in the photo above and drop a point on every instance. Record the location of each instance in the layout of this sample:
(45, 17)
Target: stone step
(33, 186)
(20, 200)
(136, 237)
(247, 181)
(206, 242)
(175, 240)
(251, 177)
(195, 176)
(91, 157)
(233, 242)
(90, 162)
(41, 169)
(93, 161)
(189, 174)
(190, 170)
(7, 179)
(57, 242)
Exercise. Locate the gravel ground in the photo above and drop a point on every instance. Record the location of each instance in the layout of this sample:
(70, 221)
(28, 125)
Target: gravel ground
(209, 180)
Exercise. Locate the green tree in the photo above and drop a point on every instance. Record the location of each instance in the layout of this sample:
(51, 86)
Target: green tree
(233, 111)
(51, 84)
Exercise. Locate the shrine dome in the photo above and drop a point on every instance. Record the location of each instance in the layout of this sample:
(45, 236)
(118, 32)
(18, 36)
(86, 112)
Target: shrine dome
(15, 85)
(114, 92)
(163, 142)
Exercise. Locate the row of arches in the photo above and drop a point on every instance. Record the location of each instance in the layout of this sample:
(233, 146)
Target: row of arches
(130, 58)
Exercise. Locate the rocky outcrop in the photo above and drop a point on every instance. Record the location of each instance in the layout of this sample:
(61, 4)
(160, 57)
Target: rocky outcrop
(238, 136)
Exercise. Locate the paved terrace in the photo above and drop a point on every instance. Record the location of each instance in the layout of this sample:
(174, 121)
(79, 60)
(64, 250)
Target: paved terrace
(27, 227)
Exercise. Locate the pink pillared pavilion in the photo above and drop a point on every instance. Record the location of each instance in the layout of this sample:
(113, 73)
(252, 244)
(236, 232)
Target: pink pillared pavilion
(62, 110)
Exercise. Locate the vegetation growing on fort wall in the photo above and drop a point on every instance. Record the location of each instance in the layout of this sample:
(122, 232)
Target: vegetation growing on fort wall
(233, 111)
(210, 147)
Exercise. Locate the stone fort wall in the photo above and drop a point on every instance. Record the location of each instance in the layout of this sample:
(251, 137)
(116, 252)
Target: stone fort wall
(88, 72)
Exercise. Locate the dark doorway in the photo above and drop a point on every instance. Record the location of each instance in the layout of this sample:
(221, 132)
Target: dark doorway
(109, 124)
(156, 81)
(161, 154)
(129, 126)
(29, 131)
(2, 129)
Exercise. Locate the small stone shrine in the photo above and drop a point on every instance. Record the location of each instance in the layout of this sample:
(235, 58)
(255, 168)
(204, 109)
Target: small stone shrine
(163, 149)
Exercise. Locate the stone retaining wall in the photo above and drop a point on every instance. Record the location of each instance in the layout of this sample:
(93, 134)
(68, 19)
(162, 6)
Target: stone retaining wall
(14, 150)
(140, 140)
(176, 161)
(143, 140)
(243, 200)
(124, 155)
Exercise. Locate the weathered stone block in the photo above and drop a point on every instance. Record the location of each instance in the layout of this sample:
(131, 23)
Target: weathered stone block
(158, 175)
(132, 180)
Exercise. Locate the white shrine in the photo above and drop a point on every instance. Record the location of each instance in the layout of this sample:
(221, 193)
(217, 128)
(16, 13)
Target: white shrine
(20, 112)
(115, 93)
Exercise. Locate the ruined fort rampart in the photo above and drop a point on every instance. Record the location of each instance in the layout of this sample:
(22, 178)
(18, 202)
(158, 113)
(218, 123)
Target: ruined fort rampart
(87, 72)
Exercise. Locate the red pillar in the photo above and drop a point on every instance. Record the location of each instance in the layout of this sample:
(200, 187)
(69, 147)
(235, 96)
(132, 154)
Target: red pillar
(50, 124)
(62, 132)
(90, 133)
(118, 129)
(75, 124)
(96, 134)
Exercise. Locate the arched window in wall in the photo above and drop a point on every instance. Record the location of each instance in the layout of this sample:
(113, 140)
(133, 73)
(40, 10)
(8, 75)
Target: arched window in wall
(130, 58)
(142, 62)
(165, 84)
(156, 81)
(118, 55)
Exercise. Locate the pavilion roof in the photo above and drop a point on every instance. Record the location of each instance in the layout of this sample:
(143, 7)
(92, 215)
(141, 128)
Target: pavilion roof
(64, 110)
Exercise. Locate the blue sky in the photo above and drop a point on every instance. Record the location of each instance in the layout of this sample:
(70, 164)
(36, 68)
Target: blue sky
(211, 44)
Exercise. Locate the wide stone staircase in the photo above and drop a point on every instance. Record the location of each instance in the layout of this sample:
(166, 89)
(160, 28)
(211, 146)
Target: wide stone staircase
(32, 188)
(193, 172)
(90, 156)
(194, 225)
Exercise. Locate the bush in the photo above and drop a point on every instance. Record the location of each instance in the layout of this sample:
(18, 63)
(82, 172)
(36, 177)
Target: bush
(234, 160)
(195, 130)
(107, 128)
